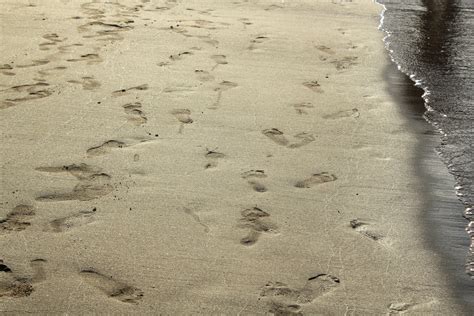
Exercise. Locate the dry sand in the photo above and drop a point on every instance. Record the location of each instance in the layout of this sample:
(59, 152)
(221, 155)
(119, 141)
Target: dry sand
(207, 157)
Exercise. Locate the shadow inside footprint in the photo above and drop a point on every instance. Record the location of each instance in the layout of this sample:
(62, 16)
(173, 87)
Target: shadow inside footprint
(315, 179)
(112, 288)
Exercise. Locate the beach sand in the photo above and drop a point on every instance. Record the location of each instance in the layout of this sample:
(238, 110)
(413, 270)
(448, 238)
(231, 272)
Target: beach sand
(207, 157)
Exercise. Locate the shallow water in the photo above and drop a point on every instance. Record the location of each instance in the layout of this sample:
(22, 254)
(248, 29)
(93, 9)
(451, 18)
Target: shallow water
(432, 41)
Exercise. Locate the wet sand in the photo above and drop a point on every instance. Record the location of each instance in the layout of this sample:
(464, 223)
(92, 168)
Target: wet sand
(207, 158)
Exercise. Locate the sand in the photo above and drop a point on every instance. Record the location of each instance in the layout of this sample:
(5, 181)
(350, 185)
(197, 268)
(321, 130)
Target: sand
(207, 157)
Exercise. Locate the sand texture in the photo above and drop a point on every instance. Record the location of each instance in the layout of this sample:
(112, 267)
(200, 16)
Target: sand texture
(206, 157)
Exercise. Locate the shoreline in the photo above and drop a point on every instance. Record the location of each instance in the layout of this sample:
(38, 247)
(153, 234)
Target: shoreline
(254, 163)
(445, 229)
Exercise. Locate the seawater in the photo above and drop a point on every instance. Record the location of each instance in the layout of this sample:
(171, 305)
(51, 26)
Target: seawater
(432, 42)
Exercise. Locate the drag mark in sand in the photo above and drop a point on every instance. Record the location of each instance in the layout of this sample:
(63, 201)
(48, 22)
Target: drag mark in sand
(114, 289)
(255, 220)
(197, 219)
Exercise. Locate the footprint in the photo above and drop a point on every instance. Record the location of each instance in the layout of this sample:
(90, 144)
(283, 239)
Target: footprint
(255, 174)
(90, 59)
(92, 183)
(180, 56)
(17, 286)
(37, 62)
(5, 69)
(325, 49)
(114, 289)
(105, 148)
(53, 40)
(223, 86)
(88, 83)
(183, 116)
(213, 157)
(281, 309)
(344, 63)
(67, 223)
(219, 60)
(313, 86)
(203, 76)
(304, 139)
(136, 116)
(27, 92)
(315, 287)
(315, 179)
(51, 71)
(110, 145)
(363, 227)
(122, 92)
(257, 40)
(342, 114)
(300, 107)
(277, 136)
(301, 139)
(18, 219)
(255, 220)
(196, 218)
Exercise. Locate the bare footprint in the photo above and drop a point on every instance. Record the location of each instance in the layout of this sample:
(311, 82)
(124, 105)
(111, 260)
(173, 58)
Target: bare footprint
(277, 136)
(223, 86)
(315, 179)
(87, 83)
(301, 139)
(114, 289)
(354, 113)
(67, 223)
(18, 219)
(183, 116)
(203, 76)
(255, 220)
(121, 92)
(92, 183)
(196, 218)
(315, 287)
(325, 49)
(213, 157)
(251, 176)
(219, 60)
(136, 115)
(19, 286)
(90, 59)
(282, 309)
(26, 92)
(344, 63)
(301, 107)
(363, 227)
(105, 148)
(313, 86)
